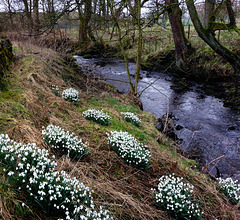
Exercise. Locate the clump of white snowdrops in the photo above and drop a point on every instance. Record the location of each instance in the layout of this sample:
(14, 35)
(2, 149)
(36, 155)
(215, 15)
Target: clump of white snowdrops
(70, 95)
(98, 116)
(128, 148)
(55, 90)
(131, 117)
(174, 195)
(64, 141)
(231, 189)
(30, 170)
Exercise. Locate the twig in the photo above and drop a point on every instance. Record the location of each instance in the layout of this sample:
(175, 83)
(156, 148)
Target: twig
(211, 162)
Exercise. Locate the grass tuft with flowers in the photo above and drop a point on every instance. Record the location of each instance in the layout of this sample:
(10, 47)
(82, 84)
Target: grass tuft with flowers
(175, 196)
(31, 171)
(98, 116)
(64, 142)
(132, 118)
(128, 148)
(231, 189)
(55, 90)
(70, 95)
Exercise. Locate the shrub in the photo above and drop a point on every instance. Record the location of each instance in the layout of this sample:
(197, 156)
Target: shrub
(55, 90)
(70, 95)
(174, 195)
(131, 117)
(128, 148)
(230, 189)
(30, 171)
(64, 142)
(98, 116)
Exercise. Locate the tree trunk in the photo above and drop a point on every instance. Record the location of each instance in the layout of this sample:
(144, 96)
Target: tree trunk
(84, 17)
(104, 8)
(209, 38)
(36, 17)
(139, 49)
(88, 15)
(28, 15)
(10, 13)
(182, 45)
(209, 7)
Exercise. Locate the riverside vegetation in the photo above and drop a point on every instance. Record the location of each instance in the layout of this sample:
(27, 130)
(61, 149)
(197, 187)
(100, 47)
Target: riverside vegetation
(88, 170)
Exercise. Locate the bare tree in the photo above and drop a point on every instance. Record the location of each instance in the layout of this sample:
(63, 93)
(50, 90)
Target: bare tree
(182, 44)
(84, 12)
(208, 34)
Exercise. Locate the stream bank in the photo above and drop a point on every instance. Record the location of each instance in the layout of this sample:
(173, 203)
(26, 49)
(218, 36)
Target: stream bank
(205, 128)
(204, 67)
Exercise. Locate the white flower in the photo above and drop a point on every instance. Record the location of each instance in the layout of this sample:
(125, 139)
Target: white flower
(37, 176)
(55, 90)
(70, 95)
(131, 117)
(129, 149)
(97, 116)
(231, 189)
(64, 142)
(175, 195)
(11, 173)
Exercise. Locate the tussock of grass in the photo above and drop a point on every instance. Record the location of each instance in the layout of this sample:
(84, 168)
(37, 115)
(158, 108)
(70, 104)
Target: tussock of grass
(122, 189)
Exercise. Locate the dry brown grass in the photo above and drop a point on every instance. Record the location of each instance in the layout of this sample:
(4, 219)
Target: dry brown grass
(123, 189)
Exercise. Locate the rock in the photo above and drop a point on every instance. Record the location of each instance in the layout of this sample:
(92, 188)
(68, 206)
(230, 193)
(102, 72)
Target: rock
(232, 128)
(178, 127)
(166, 125)
(214, 172)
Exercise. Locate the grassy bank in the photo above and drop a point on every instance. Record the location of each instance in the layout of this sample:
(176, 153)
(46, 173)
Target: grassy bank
(29, 103)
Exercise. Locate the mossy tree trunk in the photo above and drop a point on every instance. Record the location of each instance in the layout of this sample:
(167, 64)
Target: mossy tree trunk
(6, 56)
(85, 32)
(182, 44)
(209, 7)
(208, 36)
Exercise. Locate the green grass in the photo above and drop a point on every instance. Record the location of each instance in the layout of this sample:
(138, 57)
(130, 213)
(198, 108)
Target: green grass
(116, 104)
(12, 106)
(114, 107)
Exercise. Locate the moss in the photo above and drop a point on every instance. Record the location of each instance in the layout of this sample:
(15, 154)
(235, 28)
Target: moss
(6, 56)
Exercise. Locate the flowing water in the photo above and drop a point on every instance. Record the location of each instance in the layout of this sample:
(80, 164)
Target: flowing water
(206, 128)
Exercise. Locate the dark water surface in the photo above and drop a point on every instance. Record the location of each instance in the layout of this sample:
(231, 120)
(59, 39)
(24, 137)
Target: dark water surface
(209, 131)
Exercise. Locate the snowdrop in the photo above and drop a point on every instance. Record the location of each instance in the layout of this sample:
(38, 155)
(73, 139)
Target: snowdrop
(70, 95)
(131, 117)
(128, 148)
(55, 90)
(63, 141)
(175, 196)
(231, 189)
(54, 191)
(98, 116)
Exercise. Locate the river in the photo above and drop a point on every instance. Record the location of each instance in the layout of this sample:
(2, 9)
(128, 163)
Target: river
(207, 128)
